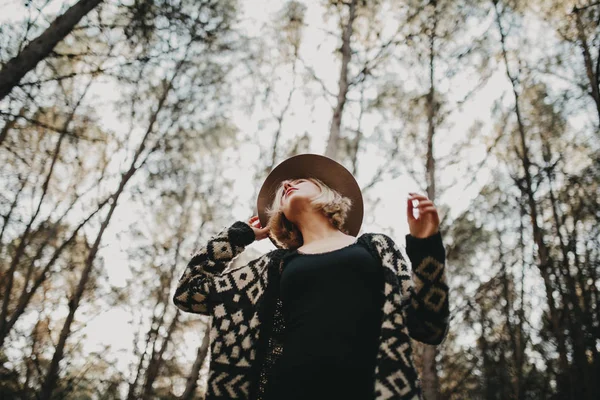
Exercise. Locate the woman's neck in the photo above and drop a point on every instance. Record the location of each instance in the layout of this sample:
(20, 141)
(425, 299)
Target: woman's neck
(315, 227)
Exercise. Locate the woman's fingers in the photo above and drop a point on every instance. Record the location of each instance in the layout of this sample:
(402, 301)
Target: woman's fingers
(254, 222)
(425, 203)
(422, 199)
(427, 210)
(259, 231)
(417, 196)
(262, 233)
(409, 209)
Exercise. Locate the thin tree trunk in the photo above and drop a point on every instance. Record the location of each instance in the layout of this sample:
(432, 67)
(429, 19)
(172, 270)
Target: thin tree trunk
(157, 359)
(151, 336)
(23, 240)
(591, 72)
(545, 264)
(485, 355)
(429, 374)
(52, 374)
(334, 132)
(521, 312)
(508, 307)
(281, 116)
(28, 292)
(576, 318)
(594, 299)
(431, 114)
(131, 392)
(8, 215)
(9, 125)
(39, 48)
(359, 135)
(588, 281)
(29, 361)
(20, 251)
(192, 379)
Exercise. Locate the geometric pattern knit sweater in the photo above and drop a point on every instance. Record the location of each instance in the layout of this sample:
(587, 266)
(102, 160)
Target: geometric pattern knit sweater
(248, 326)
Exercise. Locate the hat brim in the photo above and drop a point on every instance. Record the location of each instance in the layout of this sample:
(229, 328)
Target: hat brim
(329, 171)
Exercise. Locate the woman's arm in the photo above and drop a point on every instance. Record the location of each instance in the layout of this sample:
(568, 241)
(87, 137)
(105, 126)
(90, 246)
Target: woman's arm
(428, 310)
(208, 262)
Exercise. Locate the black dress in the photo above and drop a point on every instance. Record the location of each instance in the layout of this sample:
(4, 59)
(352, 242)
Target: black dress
(332, 305)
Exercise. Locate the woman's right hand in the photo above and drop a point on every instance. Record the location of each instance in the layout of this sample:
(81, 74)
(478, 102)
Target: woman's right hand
(259, 232)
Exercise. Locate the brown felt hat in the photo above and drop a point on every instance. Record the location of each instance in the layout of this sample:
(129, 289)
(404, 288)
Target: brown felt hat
(330, 172)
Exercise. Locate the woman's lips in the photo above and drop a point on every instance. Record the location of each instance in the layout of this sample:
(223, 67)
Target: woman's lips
(289, 191)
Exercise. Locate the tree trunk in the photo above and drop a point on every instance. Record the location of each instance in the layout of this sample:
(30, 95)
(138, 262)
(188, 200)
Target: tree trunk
(508, 307)
(131, 391)
(521, 341)
(39, 48)
(8, 126)
(156, 360)
(281, 116)
(23, 241)
(192, 379)
(487, 370)
(20, 251)
(334, 133)
(52, 374)
(577, 317)
(429, 374)
(545, 263)
(358, 137)
(151, 337)
(591, 72)
(29, 291)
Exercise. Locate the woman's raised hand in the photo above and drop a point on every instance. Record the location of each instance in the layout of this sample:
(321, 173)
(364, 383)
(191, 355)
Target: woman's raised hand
(428, 222)
(259, 231)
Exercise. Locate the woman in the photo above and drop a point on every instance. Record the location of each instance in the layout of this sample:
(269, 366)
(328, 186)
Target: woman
(327, 315)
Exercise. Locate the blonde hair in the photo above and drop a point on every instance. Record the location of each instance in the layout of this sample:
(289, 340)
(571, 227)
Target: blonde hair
(330, 202)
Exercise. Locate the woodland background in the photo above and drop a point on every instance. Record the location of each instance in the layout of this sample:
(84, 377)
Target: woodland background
(133, 130)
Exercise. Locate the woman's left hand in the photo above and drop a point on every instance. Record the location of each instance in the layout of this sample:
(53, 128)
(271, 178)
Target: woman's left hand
(428, 222)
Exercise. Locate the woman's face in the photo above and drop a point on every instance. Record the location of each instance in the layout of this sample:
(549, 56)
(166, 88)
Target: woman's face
(296, 196)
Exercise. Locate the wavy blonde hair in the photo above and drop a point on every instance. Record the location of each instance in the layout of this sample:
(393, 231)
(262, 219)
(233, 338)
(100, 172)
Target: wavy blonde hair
(330, 202)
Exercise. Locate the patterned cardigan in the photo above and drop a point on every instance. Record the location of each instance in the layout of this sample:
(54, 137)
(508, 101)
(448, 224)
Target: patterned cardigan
(247, 323)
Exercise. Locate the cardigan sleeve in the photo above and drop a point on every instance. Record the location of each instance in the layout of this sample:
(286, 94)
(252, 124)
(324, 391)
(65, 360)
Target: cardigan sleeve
(428, 310)
(208, 262)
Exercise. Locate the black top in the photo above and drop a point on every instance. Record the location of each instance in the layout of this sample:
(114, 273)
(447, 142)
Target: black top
(332, 305)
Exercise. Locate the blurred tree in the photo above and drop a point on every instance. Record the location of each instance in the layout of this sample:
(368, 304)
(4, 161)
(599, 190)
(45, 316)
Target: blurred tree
(346, 52)
(194, 81)
(39, 48)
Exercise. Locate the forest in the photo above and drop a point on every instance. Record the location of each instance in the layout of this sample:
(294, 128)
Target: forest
(131, 131)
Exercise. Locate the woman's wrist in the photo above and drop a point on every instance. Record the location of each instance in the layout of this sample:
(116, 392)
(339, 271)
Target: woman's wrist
(431, 245)
(241, 233)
